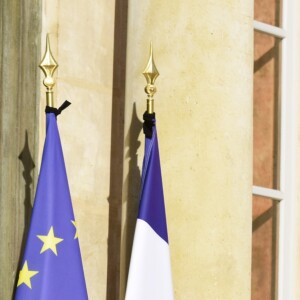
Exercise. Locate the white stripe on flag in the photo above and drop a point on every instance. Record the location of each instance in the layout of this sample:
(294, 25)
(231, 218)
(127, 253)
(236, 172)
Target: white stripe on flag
(150, 268)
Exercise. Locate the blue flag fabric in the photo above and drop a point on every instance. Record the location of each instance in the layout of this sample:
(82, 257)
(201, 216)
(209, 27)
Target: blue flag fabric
(152, 206)
(52, 268)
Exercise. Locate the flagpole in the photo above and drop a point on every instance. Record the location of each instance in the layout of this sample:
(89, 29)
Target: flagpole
(151, 244)
(48, 66)
(150, 73)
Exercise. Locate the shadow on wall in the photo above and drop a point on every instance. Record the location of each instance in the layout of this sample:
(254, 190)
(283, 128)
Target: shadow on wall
(132, 182)
(132, 186)
(28, 164)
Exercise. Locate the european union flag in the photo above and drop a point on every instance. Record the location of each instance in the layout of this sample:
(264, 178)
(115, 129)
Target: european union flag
(150, 276)
(52, 268)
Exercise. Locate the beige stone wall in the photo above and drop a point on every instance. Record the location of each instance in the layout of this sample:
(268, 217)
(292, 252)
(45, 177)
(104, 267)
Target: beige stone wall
(203, 51)
(81, 34)
(296, 257)
(19, 98)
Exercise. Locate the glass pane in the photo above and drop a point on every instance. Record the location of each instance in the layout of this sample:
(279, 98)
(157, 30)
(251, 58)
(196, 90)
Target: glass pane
(266, 111)
(268, 11)
(264, 248)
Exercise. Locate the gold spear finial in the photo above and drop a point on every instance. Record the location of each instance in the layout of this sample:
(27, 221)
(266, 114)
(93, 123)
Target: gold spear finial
(48, 66)
(150, 73)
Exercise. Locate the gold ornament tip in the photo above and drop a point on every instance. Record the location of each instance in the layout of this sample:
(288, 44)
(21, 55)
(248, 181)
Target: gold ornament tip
(151, 72)
(48, 65)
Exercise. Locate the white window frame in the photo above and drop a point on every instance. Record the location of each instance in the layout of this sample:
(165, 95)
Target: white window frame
(286, 196)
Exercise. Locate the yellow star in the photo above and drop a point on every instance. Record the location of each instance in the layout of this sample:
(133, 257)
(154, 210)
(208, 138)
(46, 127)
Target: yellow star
(50, 241)
(25, 275)
(76, 234)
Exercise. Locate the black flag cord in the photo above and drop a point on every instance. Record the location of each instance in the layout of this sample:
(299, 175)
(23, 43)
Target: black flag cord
(149, 119)
(57, 111)
(149, 122)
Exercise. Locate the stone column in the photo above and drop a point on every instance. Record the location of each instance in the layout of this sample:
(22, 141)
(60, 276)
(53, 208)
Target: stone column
(203, 51)
(19, 104)
(82, 42)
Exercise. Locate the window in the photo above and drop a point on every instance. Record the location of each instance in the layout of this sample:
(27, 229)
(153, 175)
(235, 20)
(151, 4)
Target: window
(274, 125)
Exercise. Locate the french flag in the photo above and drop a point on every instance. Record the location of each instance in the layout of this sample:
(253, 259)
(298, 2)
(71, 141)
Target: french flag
(150, 268)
